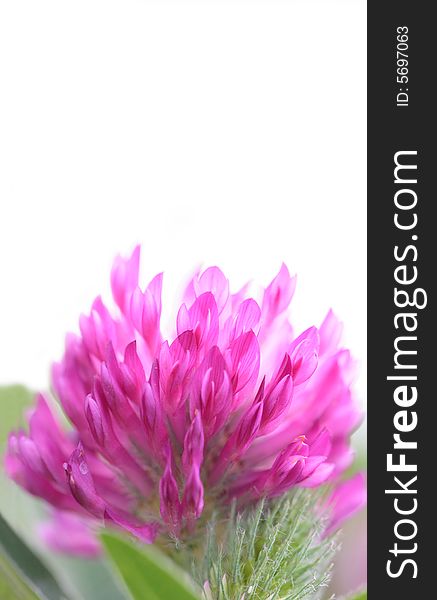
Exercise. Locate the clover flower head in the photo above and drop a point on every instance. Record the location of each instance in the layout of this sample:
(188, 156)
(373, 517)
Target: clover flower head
(232, 405)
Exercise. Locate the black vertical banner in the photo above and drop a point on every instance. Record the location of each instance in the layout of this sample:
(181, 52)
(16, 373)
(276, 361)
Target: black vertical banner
(402, 357)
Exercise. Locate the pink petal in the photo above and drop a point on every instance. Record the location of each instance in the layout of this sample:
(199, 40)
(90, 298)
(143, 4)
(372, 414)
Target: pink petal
(347, 499)
(170, 506)
(146, 532)
(70, 534)
(202, 319)
(193, 444)
(124, 278)
(246, 318)
(192, 503)
(321, 445)
(81, 483)
(275, 403)
(330, 333)
(244, 359)
(145, 312)
(212, 280)
(319, 475)
(304, 355)
(278, 295)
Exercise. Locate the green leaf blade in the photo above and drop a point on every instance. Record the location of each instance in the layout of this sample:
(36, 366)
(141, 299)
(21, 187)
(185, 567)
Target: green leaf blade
(14, 399)
(17, 560)
(359, 596)
(12, 585)
(146, 573)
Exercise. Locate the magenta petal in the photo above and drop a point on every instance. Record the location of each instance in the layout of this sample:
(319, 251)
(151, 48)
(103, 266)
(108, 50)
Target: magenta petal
(97, 329)
(348, 498)
(101, 424)
(312, 463)
(319, 475)
(36, 482)
(244, 434)
(30, 455)
(145, 312)
(146, 532)
(151, 414)
(304, 355)
(244, 358)
(248, 427)
(283, 474)
(133, 372)
(246, 319)
(202, 319)
(278, 295)
(95, 420)
(330, 333)
(155, 289)
(212, 280)
(193, 444)
(321, 444)
(170, 505)
(124, 277)
(211, 391)
(276, 402)
(81, 483)
(70, 534)
(192, 502)
(53, 444)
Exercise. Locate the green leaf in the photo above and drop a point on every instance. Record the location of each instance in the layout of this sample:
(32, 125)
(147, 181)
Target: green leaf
(359, 596)
(87, 578)
(146, 572)
(13, 401)
(12, 585)
(17, 559)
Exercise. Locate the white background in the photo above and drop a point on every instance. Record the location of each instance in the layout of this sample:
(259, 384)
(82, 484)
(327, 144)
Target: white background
(229, 133)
